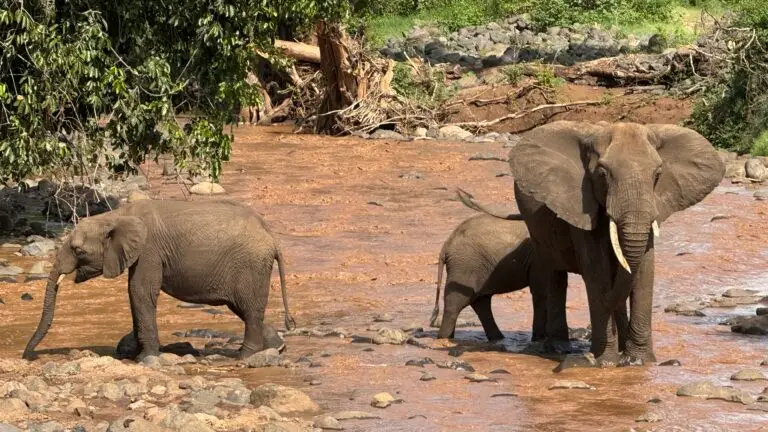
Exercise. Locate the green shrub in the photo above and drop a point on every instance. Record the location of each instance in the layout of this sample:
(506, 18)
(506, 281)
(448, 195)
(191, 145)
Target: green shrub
(512, 74)
(760, 146)
(547, 79)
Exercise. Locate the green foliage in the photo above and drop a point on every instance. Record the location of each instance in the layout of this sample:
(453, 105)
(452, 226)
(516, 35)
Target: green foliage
(760, 147)
(546, 78)
(90, 76)
(512, 74)
(425, 86)
(733, 110)
(566, 12)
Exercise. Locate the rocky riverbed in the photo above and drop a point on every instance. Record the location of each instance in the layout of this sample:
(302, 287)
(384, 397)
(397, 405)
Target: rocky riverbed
(361, 222)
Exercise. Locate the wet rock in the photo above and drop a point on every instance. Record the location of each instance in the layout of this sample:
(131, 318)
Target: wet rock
(650, 417)
(672, 362)
(453, 133)
(762, 311)
(486, 157)
(52, 369)
(284, 400)
(134, 423)
(723, 302)
(27, 297)
(389, 336)
(419, 362)
(707, 390)
(460, 365)
(13, 405)
(39, 247)
(478, 378)
(740, 292)
(571, 384)
(757, 325)
(761, 195)
(354, 415)
(687, 308)
(386, 134)
(327, 422)
(207, 188)
(499, 371)
(749, 375)
(426, 376)
(576, 361)
(268, 357)
(382, 400)
(385, 317)
(580, 334)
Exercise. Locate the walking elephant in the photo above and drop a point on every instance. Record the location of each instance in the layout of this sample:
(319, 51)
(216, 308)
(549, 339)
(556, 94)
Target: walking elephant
(592, 196)
(215, 252)
(485, 256)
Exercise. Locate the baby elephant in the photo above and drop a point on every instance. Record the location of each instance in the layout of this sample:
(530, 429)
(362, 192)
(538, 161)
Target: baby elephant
(215, 252)
(484, 256)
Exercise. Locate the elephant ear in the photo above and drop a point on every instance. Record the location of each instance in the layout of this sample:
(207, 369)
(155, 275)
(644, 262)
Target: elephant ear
(550, 164)
(124, 238)
(691, 168)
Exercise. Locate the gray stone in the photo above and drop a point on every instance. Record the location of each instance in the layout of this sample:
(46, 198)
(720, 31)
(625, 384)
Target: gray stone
(707, 390)
(13, 405)
(50, 426)
(39, 247)
(134, 423)
(761, 195)
(386, 134)
(267, 357)
(239, 396)
(690, 308)
(52, 369)
(389, 336)
(735, 169)
(755, 169)
(9, 270)
(749, 374)
(740, 292)
(111, 392)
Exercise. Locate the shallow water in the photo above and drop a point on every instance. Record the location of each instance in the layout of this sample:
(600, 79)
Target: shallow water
(348, 260)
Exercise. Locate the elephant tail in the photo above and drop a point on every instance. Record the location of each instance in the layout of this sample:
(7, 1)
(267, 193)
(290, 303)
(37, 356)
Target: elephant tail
(468, 200)
(436, 310)
(290, 323)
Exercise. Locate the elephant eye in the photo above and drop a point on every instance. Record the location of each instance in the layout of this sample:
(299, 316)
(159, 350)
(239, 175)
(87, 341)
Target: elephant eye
(78, 251)
(602, 172)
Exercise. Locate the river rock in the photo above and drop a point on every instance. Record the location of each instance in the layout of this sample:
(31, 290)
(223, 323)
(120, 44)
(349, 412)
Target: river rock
(571, 384)
(354, 415)
(460, 365)
(110, 391)
(382, 400)
(265, 358)
(478, 378)
(387, 134)
(707, 390)
(13, 405)
(207, 188)
(389, 336)
(690, 308)
(650, 417)
(761, 195)
(755, 169)
(749, 374)
(426, 376)
(39, 247)
(740, 292)
(735, 169)
(9, 270)
(51, 369)
(327, 422)
(757, 325)
(284, 400)
(454, 133)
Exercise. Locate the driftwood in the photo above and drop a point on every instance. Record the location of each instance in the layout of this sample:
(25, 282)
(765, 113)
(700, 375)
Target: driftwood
(299, 51)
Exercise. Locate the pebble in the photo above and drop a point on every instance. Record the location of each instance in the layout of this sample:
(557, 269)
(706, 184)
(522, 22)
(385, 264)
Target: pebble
(412, 175)
(571, 384)
(650, 417)
(419, 362)
(455, 364)
(327, 422)
(27, 297)
(354, 415)
(499, 371)
(383, 318)
(315, 382)
(707, 390)
(426, 376)
(672, 362)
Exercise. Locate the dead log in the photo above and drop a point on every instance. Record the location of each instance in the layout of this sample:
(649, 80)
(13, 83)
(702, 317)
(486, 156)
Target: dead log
(299, 51)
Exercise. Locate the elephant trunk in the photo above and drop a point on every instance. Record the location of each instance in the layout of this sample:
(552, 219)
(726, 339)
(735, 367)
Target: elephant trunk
(49, 304)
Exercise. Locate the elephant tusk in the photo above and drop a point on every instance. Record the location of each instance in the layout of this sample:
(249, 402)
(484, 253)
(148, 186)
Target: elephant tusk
(616, 247)
(655, 228)
(61, 278)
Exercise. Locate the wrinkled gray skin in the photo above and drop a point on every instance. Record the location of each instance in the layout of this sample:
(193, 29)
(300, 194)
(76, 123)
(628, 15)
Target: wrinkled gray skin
(485, 256)
(215, 252)
(572, 179)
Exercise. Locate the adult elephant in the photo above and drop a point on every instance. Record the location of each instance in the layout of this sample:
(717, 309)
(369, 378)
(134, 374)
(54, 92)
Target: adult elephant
(215, 252)
(592, 196)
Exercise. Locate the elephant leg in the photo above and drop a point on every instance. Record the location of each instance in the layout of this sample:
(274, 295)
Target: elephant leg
(255, 331)
(456, 298)
(622, 326)
(539, 299)
(143, 289)
(639, 347)
(482, 307)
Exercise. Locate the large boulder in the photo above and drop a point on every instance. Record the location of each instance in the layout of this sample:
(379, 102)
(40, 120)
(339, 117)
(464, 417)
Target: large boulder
(755, 169)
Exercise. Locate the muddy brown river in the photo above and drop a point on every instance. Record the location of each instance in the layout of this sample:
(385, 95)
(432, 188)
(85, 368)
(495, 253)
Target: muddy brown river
(361, 224)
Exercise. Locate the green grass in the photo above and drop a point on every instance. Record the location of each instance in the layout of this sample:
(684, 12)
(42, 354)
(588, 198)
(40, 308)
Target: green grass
(384, 27)
(760, 146)
(684, 27)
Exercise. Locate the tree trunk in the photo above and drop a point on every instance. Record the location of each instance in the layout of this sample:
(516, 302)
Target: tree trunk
(341, 86)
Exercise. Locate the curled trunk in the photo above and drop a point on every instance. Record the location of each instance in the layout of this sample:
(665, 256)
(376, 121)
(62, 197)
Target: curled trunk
(46, 319)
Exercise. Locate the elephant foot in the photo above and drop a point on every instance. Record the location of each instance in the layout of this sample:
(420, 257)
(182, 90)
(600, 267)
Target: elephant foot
(272, 339)
(495, 337)
(147, 353)
(577, 361)
(631, 359)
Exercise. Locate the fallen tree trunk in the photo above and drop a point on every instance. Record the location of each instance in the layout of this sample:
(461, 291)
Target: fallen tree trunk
(299, 51)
